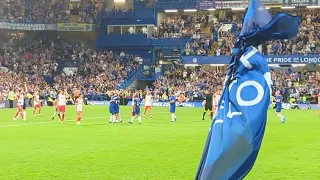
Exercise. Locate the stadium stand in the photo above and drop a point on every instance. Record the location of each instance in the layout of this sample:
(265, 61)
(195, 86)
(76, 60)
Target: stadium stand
(307, 41)
(194, 81)
(42, 11)
(35, 56)
(180, 26)
(40, 56)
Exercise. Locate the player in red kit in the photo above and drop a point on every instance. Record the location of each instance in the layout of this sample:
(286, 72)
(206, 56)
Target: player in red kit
(215, 101)
(148, 104)
(20, 101)
(36, 104)
(79, 102)
(62, 102)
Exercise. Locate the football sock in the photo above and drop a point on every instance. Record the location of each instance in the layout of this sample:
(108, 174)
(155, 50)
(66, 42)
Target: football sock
(203, 115)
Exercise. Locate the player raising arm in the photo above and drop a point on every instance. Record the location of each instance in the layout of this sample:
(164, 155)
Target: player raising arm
(25, 104)
(20, 101)
(79, 103)
(148, 104)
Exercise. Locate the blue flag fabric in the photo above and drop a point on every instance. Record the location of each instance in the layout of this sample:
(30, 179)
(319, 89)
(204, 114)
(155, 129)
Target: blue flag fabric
(257, 16)
(237, 130)
(236, 133)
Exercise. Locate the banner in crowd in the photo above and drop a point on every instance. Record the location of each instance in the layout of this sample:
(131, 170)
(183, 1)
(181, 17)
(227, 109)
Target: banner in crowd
(272, 59)
(231, 4)
(5, 104)
(243, 4)
(266, 2)
(204, 5)
(300, 2)
(199, 105)
(28, 27)
(75, 27)
(166, 104)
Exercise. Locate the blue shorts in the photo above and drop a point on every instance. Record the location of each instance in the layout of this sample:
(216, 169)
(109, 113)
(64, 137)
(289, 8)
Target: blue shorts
(278, 110)
(136, 112)
(24, 105)
(172, 109)
(116, 110)
(111, 109)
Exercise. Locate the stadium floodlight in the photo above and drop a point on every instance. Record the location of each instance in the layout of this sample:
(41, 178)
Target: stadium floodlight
(238, 9)
(190, 10)
(170, 10)
(211, 9)
(313, 7)
(288, 7)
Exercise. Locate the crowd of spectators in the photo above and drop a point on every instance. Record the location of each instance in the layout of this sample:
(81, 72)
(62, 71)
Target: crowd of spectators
(297, 85)
(192, 82)
(102, 72)
(39, 57)
(30, 57)
(88, 12)
(180, 26)
(13, 81)
(50, 11)
(306, 42)
(35, 11)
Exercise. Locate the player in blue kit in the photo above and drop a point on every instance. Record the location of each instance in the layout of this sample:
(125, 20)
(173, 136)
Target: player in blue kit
(112, 108)
(172, 102)
(117, 108)
(135, 108)
(278, 100)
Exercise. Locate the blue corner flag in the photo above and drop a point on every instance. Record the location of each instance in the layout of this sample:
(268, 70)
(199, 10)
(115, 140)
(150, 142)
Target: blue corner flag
(236, 133)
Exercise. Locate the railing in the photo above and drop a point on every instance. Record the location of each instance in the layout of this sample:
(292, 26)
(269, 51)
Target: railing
(118, 14)
(132, 77)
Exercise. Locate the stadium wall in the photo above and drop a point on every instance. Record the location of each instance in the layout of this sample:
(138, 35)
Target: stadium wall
(193, 104)
(272, 59)
(5, 104)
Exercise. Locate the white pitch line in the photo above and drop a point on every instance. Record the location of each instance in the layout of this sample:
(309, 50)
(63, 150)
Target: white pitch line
(29, 124)
(56, 122)
(39, 123)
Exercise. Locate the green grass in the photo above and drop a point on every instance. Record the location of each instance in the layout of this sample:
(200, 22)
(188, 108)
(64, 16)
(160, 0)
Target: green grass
(157, 149)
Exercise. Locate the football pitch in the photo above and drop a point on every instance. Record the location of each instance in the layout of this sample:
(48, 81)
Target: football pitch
(155, 150)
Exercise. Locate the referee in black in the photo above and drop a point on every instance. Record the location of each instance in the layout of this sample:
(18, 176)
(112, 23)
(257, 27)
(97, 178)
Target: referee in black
(208, 105)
